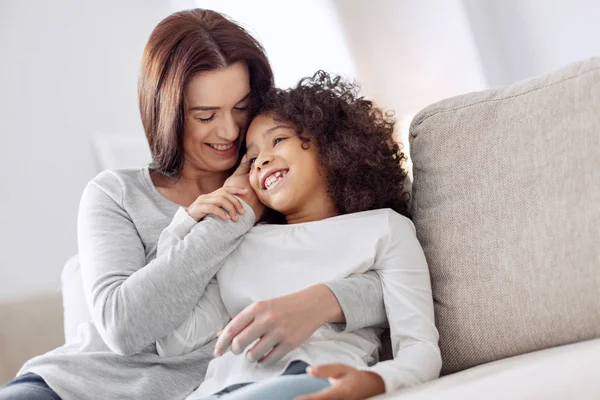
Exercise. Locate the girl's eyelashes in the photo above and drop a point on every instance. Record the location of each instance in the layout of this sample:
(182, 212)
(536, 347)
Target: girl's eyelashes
(242, 108)
(278, 140)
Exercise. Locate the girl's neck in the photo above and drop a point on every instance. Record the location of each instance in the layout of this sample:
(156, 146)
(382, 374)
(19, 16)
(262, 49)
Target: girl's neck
(313, 212)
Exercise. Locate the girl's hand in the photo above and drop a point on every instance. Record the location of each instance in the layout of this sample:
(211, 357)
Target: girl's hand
(281, 324)
(241, 179)
(347, 383)
(221, 203)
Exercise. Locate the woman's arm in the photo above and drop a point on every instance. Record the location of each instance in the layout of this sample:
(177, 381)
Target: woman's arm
(133, 304)
(359, 301)
(209, 314)
(288, 321)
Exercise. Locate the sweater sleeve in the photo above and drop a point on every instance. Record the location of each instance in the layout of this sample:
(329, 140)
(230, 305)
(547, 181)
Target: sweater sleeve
(134, 303)
(359, 310)
(409, 305)
(209, 314)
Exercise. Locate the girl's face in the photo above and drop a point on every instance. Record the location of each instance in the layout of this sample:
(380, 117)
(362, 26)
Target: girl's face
(285, 176)
(216, 114)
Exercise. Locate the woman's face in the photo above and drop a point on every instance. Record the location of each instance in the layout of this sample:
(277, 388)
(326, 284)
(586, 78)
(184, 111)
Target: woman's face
(285, 176)
(216, 114)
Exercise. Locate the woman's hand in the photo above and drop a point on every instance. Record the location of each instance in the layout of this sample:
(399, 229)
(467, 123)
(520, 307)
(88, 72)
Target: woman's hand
(347, 383)
(241, 179)
(281, 324)
(221, 203)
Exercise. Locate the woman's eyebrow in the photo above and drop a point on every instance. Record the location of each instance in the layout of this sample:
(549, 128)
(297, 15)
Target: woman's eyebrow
(203, 108)
(244, 98)
(210, 108)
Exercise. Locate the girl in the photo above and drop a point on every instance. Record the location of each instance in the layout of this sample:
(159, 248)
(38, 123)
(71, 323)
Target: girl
(325, 161)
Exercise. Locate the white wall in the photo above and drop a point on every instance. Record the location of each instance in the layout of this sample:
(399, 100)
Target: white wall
(300, 37)
(519, 39)
(68, 70)
(411, 53)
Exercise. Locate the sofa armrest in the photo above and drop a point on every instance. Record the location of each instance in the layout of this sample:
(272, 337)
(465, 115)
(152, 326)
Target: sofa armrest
(28, 328)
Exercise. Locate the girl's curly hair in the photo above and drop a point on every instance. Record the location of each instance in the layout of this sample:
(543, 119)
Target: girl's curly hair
(364, 165)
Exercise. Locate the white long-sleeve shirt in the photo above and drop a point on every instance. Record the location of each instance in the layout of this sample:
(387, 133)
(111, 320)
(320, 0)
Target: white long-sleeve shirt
(274, 260)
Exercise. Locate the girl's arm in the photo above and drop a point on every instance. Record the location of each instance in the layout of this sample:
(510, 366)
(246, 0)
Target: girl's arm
(209, 315)
(134, 303)
(409, 304)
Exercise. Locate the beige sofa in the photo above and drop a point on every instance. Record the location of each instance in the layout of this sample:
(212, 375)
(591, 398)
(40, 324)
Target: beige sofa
(507, 206)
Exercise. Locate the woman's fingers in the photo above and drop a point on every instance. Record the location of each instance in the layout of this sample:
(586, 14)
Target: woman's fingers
(226, 201)
(214, 209)
(246, 337)
(225, 204)
(234, 200)
(275, 355)
(265, 345)
(243, 168)
(233, 328)
(223, 198)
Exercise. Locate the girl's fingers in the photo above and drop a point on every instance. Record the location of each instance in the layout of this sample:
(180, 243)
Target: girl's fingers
(335, 371)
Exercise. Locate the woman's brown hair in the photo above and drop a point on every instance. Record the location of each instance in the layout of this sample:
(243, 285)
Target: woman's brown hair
(182, 45)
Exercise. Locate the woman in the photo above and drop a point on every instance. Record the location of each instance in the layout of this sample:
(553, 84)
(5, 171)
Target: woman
(199, 75)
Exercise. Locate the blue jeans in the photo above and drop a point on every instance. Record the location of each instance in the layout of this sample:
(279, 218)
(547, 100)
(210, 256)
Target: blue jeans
(28, 386)
(292, 383)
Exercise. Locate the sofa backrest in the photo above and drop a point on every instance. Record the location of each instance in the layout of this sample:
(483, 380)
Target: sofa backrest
(506, 201)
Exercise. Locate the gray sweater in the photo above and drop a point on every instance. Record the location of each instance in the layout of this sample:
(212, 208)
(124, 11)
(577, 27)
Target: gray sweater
(136, 298)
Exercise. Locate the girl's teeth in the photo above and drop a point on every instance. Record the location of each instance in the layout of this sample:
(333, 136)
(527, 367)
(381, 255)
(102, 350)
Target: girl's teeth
(273, 178)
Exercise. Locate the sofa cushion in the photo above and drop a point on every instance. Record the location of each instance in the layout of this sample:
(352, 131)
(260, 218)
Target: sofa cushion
(565, 372)
(28, 328)
(75, 308)
(506, 201)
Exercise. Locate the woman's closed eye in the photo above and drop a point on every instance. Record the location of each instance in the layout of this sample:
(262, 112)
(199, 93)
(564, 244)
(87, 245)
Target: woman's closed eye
(206, 119)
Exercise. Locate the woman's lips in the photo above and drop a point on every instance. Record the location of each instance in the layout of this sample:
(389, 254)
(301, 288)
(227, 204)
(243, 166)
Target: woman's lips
(223, 150)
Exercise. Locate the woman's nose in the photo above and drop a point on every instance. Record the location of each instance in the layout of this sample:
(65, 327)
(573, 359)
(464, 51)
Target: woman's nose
(230, 129)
